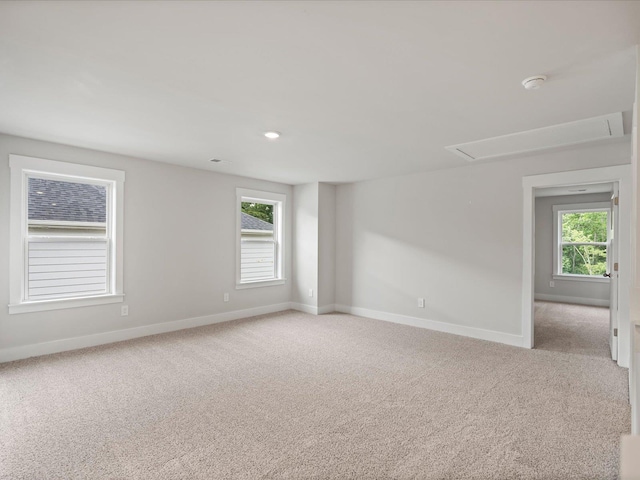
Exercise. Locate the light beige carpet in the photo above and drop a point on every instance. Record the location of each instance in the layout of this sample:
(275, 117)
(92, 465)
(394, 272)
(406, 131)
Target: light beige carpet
(291, 395)
(564, 327)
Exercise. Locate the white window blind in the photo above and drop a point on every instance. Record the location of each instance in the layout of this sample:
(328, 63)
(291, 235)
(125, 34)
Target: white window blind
(258, 260)
(66, 267)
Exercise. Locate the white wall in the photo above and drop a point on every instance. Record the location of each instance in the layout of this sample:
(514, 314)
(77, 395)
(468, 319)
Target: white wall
(305, 249)
(314, 227)
(326, 246)
(179, 229)
(590, 293)
(453, 237)
(634, 291)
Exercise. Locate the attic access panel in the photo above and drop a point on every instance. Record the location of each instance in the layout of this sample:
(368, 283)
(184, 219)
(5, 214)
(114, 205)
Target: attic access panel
(571, 133)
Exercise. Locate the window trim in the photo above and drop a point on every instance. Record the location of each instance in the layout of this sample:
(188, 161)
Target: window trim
(558, 211)
(279, 201)
(23, 166)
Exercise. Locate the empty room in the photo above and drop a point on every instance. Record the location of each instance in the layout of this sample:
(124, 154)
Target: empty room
(319, 240)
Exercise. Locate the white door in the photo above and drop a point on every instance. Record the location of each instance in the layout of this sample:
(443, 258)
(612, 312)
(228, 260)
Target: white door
(613, 274)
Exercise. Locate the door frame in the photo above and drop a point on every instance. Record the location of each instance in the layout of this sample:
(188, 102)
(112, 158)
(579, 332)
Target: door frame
(620, 174)
(614, 277)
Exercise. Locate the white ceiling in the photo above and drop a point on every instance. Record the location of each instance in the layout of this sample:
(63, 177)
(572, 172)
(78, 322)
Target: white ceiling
(358, 89)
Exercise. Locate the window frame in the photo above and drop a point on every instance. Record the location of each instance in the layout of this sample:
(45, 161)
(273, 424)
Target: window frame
(278, 200)
(558, 211)
(23, 167)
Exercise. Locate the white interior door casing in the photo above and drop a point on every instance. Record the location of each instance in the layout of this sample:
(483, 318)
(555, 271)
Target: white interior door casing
(621, 174)
(613, 271)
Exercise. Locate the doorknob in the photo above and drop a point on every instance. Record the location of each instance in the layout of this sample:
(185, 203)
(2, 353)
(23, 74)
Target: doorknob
(606, 275)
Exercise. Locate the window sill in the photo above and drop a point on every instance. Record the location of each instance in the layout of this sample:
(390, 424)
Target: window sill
(62, 303)
(261, 283)
(581, 278)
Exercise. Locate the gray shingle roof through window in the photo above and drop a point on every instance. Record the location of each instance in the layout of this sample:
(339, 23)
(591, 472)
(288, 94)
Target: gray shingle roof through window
(253, 223)
(66, 201)
(80, 202)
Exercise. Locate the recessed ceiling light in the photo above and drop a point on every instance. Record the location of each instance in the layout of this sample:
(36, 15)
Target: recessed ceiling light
(40, 193)
(54, 204)
(272, 135)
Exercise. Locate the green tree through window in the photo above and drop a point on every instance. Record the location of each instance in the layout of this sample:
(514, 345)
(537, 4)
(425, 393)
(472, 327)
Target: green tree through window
(263, 211)
(584, 243)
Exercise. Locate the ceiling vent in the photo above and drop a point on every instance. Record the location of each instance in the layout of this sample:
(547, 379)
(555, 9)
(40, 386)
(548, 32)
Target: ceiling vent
(572, 133)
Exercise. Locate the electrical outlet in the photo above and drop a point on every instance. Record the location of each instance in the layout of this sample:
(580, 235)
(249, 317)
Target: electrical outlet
(311, 292)
(421, 303)
(124, 310)
(552, 284)
(226, 297)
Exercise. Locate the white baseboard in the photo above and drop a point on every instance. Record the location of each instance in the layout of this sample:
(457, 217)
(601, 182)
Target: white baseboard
(326, 309)
(465, 331)
(596, 302)
(63, 345)
(302, 307)
(56, 346)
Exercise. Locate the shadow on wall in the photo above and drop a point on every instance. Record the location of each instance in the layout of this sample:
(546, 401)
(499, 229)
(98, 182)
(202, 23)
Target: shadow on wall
(453, 237)
(398, 273)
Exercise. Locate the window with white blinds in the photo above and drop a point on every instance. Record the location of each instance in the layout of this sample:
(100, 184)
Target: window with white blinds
(67, 238)
(67, 227)
(260, 238)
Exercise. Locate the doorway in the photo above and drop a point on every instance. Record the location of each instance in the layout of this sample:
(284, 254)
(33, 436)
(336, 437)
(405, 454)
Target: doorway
(620, 178)
(574, 259)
